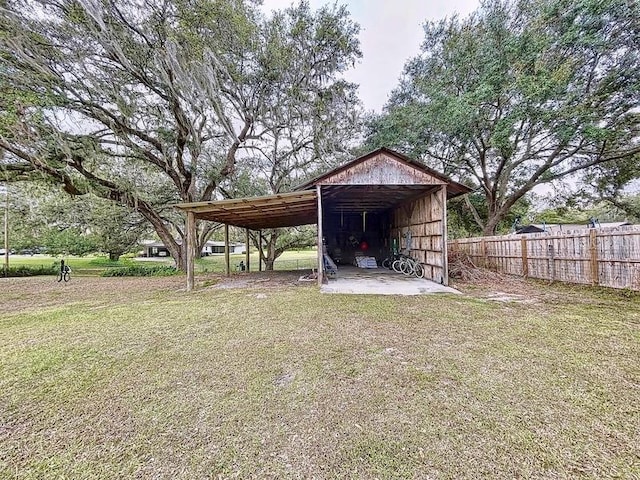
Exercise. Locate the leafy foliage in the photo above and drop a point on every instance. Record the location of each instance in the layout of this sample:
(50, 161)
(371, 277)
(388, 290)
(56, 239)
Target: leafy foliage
(40, 217)
(521, 94)
(28, 270)
(276, 241)
(151, 104)
(141, 271)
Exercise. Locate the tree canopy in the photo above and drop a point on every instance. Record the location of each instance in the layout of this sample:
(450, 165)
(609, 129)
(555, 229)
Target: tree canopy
(42, 219)
(521, 94)
(149, 104)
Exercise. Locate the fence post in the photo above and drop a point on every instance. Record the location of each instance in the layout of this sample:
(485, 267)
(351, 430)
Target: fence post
(525, 257)
(552, 262)
(593, 251)
(483, 252)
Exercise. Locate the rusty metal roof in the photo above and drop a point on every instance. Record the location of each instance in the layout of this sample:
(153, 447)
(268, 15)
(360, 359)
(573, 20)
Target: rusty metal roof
(270, 211)
(300, 207)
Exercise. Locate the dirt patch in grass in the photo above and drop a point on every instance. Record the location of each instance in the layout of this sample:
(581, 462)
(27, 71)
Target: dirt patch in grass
(505, 288)
(259, 280)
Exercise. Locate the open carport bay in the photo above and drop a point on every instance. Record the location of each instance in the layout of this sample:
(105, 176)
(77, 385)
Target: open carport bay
(380, 281)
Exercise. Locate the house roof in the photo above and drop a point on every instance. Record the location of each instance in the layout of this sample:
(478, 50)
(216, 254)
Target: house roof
(208, 243)
(529, 229)
(564, 227)
(578, 226)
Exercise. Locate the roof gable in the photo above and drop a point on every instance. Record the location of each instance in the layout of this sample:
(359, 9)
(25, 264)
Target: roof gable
(380, 169)
(385, 167)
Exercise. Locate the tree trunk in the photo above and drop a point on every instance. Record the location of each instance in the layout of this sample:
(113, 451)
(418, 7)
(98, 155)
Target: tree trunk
(270, 254)
(114, 257)
(497, 214)
(489, 229)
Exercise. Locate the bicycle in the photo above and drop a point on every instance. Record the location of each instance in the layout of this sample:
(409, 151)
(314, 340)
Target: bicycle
(394, 255)
(408, 266)
(388, 262)
(64, 273)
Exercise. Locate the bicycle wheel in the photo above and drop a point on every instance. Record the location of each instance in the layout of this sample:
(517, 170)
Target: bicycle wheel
(386, 263)
(59, 278)
(419, 270)
(397, 266)
(67, 277)
(407, 267)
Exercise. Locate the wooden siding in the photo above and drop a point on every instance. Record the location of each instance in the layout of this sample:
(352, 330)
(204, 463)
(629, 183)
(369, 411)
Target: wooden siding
(381, 169)
(606, 257)
(424, 218)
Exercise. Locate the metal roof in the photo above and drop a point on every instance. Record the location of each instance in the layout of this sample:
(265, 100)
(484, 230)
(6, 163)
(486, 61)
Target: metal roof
(300, 207)
(270, 211)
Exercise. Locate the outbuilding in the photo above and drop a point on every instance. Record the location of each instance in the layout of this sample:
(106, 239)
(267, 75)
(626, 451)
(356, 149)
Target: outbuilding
(370, 205)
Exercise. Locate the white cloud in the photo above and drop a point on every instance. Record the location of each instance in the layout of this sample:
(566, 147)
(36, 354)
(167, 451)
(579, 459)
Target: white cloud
(391, 33)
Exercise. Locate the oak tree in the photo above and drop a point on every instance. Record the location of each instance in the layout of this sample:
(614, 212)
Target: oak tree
(152, 103)
(521, 94)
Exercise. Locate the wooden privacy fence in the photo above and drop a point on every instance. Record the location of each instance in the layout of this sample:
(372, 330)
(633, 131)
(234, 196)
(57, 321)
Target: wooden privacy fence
(598, 256)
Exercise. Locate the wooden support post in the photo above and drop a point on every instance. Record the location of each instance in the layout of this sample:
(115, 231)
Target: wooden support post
(483, 252)
(525, 257)
(191, 249)
(445, 253)
(259, 250)
(227, 266)
(6, 229)
(593, 257)
(320, 249)
(246, 253)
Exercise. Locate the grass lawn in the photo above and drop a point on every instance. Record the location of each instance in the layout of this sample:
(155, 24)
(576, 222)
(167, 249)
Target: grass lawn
(260, 377)
(95, 265)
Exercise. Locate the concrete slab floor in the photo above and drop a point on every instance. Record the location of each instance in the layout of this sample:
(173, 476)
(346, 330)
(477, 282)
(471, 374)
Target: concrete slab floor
(380, 281)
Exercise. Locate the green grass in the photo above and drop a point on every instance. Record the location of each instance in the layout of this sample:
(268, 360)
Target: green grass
(132, 378)
(88, 265)
(293, 260)
(96, 265)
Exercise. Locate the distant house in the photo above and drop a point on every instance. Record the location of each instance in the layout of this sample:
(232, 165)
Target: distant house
(155, 249)
(566, 227)
(529, 229)
(158, 249)
(217, 248)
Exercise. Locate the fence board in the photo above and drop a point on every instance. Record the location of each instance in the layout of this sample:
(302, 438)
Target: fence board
(601, 256)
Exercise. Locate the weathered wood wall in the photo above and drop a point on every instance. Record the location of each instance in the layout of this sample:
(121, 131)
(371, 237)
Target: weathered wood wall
(381, 169)
(424, 218)
(607, 257)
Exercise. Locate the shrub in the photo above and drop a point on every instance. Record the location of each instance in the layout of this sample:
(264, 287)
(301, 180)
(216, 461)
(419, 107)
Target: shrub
(29, 271)
(141, 271)
(107, 263)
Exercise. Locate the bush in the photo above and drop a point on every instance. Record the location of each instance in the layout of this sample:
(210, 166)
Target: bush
(30, 271)
(141, 271)
(107, 263)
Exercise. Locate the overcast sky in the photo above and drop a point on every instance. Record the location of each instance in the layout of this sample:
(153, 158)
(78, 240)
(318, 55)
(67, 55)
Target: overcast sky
(391, 33)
